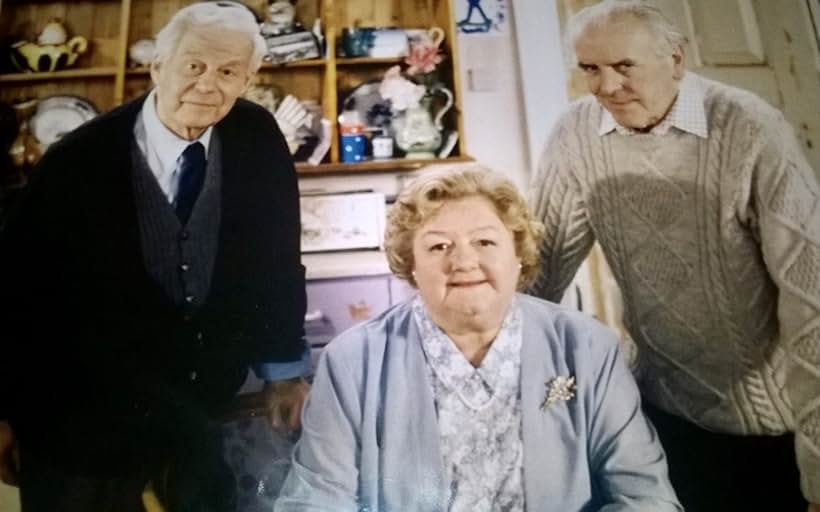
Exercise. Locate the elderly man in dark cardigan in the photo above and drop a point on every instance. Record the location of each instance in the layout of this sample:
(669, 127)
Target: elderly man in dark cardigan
(154, 259)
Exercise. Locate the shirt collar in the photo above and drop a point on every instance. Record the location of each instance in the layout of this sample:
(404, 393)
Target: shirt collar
(687, 114)
(499, 368)
(167, 145)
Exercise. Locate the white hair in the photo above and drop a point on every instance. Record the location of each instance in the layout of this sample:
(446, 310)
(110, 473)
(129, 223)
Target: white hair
(668, 36)
(222, 14)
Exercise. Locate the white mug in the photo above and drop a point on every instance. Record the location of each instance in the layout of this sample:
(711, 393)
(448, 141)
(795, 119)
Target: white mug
(388, 42)
(382, 146)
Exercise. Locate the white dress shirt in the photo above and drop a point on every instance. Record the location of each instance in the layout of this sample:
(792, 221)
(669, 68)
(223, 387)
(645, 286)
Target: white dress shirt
(162, 147)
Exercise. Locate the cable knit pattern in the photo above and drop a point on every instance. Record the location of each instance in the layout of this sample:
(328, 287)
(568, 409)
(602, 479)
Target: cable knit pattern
(715, 244)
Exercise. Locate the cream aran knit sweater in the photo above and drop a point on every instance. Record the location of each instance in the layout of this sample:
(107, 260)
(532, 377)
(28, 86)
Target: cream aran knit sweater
(715, 244)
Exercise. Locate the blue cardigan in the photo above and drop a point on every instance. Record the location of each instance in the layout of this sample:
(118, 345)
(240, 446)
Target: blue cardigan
(370, 438)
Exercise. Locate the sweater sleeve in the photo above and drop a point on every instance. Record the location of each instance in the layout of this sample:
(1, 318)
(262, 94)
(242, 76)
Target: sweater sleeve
(324, 475)
(786, 199)
(556, 200)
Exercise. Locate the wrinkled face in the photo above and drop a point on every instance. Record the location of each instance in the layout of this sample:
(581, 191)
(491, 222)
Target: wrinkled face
(465, 262)
(624, 71)
(198, 85)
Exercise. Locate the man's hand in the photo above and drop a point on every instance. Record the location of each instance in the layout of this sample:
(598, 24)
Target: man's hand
(814, 507)
(284, 399)
(9, 456)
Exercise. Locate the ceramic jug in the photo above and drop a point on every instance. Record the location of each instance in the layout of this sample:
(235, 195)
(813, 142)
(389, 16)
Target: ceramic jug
(418, 130)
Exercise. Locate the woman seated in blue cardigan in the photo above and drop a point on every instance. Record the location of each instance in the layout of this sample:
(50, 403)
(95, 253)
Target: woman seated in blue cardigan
(470, 396)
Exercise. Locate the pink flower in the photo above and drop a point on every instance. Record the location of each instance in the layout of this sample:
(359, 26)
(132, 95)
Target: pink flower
(423, 58)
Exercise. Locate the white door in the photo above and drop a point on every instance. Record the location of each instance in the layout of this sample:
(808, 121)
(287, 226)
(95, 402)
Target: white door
(769, 47)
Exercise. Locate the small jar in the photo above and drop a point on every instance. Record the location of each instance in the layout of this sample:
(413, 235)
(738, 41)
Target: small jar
(382, 146)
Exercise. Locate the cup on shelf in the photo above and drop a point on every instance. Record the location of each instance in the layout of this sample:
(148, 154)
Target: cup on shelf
(352, 137)
(382, 146)
(353, 147)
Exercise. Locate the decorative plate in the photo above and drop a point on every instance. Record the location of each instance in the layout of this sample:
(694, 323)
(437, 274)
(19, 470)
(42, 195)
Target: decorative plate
(58, 115)
(372, 108)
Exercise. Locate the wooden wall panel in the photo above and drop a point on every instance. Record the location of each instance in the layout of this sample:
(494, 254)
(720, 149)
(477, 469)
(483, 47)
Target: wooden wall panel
(349, 78)
(100, 89)
(304, 83)
(384, 13)
(136, 85)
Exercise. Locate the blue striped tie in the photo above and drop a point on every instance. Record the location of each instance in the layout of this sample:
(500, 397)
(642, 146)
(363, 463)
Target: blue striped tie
(191, 178)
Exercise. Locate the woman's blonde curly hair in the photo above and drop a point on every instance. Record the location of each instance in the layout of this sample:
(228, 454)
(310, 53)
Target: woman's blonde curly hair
(423, 198)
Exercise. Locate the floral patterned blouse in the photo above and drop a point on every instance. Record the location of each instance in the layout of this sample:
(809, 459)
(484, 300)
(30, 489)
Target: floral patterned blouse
(479, 416)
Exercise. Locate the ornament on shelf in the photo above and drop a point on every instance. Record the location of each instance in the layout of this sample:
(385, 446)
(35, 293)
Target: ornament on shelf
(141, 52)
(52, 51)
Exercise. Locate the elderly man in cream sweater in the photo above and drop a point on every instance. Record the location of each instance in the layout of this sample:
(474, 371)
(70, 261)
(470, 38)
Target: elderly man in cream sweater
(709, 216)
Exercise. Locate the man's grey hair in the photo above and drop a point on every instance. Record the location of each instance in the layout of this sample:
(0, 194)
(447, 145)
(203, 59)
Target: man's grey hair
(221, 14)
(668, 36)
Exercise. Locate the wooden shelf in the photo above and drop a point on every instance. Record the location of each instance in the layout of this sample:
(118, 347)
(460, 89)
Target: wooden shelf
(307, 63)
(104, 75)
(391, 165)
(266, 66)
(358, 61)
(58, 75)
(141, 70)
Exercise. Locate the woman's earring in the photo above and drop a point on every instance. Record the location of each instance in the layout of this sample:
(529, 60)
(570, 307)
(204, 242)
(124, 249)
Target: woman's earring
(520, 266)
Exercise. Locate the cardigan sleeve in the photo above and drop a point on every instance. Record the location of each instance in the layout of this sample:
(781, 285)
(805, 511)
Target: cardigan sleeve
(556, 200)
(786, 199)
(324, 474)
(625, 454)
(26, 266)
(270, 193)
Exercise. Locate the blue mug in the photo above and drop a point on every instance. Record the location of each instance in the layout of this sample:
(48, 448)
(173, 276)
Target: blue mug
(353, 147)
(356, 42)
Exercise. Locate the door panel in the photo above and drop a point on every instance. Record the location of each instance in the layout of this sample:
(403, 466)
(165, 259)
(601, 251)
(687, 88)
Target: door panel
(722, 43)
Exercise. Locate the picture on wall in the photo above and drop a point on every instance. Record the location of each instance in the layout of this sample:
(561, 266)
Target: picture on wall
(343, 221)
(482, 17)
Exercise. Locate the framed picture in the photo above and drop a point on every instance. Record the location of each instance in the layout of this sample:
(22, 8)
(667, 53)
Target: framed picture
(336, 222)
(481, 17)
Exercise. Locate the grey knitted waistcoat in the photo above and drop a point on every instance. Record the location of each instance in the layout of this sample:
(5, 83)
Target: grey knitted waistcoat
(180, 259)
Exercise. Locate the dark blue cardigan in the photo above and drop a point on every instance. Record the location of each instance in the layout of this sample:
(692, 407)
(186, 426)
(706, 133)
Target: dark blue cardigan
(82, 319)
